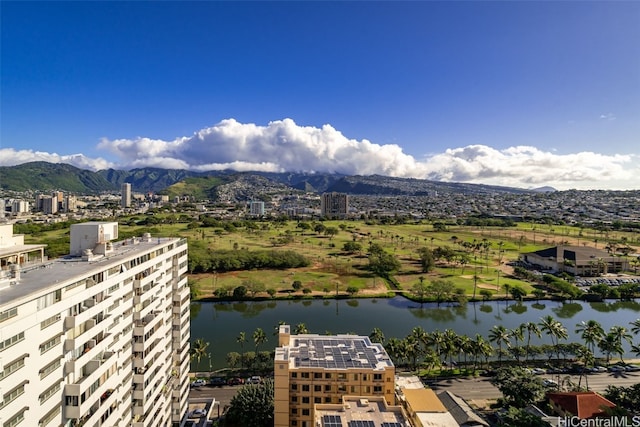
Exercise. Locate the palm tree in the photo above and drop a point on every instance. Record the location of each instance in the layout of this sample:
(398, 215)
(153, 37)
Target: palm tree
(591, 331)
(555, 330)
(301, 328)
(412, 350)
(518, 335)
(609, 345)
(585, 355)
(531, 328)
(450, 341)
(241, 339)
(377, 336)
(480, 349)
(500, 335)
(199, 350)
(635, 326)
(259, 337)
(636, 349)
(436, 339)
(620, 333)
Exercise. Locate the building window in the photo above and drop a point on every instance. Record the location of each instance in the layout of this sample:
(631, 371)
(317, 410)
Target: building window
(294, 399)
(342, 377)
(317, 388)
(50, 321)
(353, 389)
(305, 387)
(49, 392)
(12, 395)
(377, 389)
(294, 411)
(317, 375)
(11, 367)
(294, 386)
(305, 412)
(52, 415)
(377, 377)
(48, 345)
(327, 376)
(49, 368)
(294, 375)
(355, 377)
(304, 374)
(8, 314)
(11, 341)
(305, 399)
(327, 387)
(327, 399)
(317, 400)
(16, 419)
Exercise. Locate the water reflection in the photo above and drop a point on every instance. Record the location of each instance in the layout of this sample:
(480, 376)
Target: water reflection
(567, 310)
(220, 323)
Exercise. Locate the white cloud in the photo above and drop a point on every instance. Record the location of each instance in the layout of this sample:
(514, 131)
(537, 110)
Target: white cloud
(11, 157)
(285, 146)
(608, 117)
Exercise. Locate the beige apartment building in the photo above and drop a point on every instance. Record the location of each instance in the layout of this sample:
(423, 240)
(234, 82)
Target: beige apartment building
(96, 338)
(312, 369)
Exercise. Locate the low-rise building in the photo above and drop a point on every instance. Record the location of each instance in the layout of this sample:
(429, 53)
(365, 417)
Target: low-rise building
(311, 369)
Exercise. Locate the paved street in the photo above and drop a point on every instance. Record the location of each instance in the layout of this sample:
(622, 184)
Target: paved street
(481, 388)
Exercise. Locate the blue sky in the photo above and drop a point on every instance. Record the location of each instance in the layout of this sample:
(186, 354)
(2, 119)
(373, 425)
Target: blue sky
(511, 93)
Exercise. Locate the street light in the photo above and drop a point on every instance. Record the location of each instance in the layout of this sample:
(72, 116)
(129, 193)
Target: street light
(209, 363)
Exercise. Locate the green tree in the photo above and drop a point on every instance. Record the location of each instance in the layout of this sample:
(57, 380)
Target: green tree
(519, 387)
(517, 293)
(519, 417)
(296, 285)
(501, 336)
(199, 350)
(420, 289)
(531, 328)
(300, 328)
(259, 338)
(252, 405)
(427, 261)
(377, 335)
(555, 330)
(352, 290)
(441, 290)
(591, 332)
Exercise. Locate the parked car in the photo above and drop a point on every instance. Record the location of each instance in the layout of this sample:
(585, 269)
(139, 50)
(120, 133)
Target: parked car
(197, 413)
(549, 383)
(538, 371)
(598, 369)
(632, 368)
(235, 381)
(255, 380)
(616, 368)
(198, 383)
(217, 381)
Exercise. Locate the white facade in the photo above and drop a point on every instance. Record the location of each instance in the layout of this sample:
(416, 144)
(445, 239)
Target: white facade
(96, 342)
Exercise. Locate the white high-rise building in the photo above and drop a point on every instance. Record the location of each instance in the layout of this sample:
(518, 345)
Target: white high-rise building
(96, 338)
(125, 191)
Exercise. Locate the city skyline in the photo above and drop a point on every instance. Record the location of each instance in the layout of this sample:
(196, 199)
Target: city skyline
(521, 94)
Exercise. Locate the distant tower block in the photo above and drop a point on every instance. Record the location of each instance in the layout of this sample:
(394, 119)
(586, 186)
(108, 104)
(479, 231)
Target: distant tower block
(125, 190)
(334, 205)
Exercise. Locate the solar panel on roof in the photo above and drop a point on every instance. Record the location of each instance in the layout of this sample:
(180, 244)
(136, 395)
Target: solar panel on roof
(361, 423)
(332, 421)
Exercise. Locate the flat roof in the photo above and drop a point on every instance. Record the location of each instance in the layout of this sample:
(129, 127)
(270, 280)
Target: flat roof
(337, 352)
(38, 278)
(423, 400)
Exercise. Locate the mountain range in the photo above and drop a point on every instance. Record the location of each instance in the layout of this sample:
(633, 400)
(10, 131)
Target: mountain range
(44, 177)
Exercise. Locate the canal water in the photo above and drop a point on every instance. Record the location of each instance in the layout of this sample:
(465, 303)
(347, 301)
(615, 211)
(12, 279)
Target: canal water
(220, 323)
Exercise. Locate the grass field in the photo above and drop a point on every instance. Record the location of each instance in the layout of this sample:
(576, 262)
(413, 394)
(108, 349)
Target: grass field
(332, 270)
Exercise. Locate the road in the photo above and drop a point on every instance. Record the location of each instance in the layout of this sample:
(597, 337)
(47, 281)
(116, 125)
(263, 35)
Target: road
(481, 388)
(477, 389)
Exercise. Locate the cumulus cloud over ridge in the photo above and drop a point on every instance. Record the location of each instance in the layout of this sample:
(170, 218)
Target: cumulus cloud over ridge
(285, 146)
